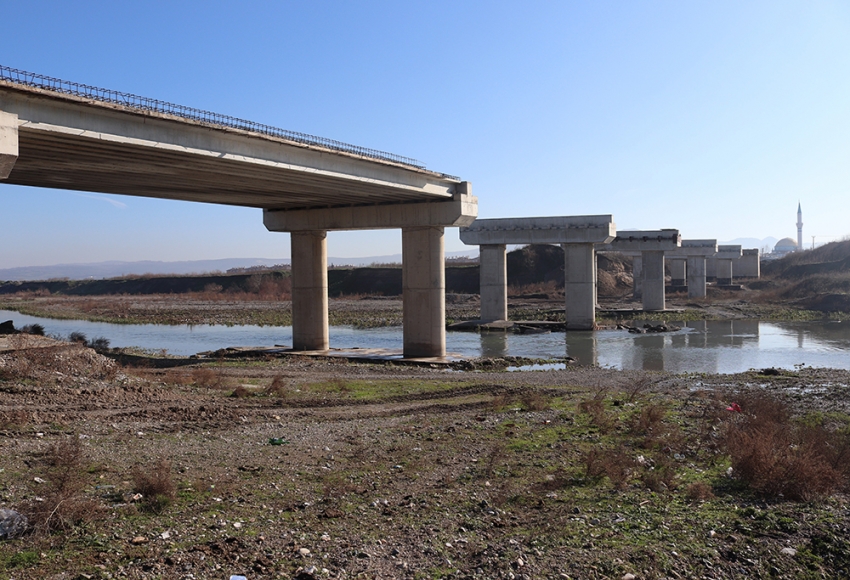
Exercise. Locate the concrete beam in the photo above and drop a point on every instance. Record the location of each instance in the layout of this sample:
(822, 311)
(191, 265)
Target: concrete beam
(580, 286)
(423, 292)
(643, 240)
(721, 264)
(461, 210)
(309, 291)
(593, 229)
(85, 145)
(493, 275)
(704, 248)
(8, 143)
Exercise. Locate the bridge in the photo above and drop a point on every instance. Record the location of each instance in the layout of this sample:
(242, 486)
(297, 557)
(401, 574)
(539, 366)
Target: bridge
(65, 135)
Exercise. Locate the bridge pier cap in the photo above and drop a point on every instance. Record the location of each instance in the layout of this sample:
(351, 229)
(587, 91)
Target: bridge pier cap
(664, 240)
(8, 143)
(459, 210)
(588, 229)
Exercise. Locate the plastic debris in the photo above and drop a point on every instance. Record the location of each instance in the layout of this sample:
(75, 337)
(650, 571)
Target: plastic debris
(277, 441)
(735, 407)
(12, 524)
(238, 578)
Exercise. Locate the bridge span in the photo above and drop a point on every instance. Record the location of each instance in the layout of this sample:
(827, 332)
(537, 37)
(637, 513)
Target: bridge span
(64, 135)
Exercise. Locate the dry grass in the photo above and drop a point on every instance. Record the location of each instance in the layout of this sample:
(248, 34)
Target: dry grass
(780, 457)
(61, 504)
(155, 484)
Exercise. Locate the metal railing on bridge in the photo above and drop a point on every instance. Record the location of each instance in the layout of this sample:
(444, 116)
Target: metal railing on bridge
(138, 103)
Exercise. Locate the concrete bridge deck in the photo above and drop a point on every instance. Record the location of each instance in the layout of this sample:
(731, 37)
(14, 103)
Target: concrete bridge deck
(65, 135)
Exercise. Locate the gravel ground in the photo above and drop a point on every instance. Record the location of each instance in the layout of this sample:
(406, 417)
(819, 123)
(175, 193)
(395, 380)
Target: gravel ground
(310, 468)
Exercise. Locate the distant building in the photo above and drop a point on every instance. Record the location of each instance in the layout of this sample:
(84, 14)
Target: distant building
(786, 246)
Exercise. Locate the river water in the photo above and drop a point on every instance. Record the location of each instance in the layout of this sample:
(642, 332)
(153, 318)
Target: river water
(725, 346)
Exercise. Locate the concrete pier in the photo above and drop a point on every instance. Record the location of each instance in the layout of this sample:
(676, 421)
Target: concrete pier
(637, 276)
(723, 263)
(653, 281)
(677, 272)
(749, 266)
(580, 286)
(424, 292)
(695, 253)
(697, 286)
(576, 235)
(651, 244)
(493, 273)
(309, 291)
(423, 262)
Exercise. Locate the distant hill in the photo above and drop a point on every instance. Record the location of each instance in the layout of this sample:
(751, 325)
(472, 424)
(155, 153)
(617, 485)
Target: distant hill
(115, 269)
(752, 243)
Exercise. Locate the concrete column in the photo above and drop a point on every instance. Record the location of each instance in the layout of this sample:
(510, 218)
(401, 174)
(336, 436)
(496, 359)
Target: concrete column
(580, 286)
(653, 280)
(696, 277)
(423, 292)
(309, 290)
(637, 277)
(677, 272)
(724, 272)
(8, 143)
(711, 269)
(493, 272)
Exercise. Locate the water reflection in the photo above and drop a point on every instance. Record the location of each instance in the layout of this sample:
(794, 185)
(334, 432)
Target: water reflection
(583, 347)
(724, 346)
(494, 344)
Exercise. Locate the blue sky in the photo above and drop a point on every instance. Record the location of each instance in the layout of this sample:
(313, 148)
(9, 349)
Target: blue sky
(711, 117)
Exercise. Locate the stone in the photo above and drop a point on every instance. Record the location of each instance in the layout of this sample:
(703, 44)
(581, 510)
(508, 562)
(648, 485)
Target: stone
(788, 551)
(629, 576)
(139, 540)
(303, 552)
(12, 524)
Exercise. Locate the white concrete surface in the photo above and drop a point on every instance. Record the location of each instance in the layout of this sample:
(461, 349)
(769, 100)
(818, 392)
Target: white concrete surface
(8, 143)
(493, 276)
(423, 292)
(580, 286)
(309, 291)
(594, 229)
(749, 265)
(107, 148)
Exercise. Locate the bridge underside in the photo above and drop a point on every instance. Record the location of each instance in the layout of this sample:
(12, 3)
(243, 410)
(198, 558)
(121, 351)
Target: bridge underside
(61, 141)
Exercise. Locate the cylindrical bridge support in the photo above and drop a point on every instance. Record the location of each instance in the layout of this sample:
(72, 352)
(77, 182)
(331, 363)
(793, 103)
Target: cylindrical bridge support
(493, 275)
(580, 286)
(423, 292)
(653, 280)
(309, 290)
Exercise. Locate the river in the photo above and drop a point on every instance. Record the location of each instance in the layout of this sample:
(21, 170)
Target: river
(725, 346)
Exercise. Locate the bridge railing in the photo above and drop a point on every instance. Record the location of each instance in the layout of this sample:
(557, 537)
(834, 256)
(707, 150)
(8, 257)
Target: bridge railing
(136, 102)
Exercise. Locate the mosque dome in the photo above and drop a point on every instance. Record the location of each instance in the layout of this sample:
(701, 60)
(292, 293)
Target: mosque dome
(785, 245)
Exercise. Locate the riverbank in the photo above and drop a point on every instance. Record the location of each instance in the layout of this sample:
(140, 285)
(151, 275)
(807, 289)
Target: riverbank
(378, 311)
(309, 468)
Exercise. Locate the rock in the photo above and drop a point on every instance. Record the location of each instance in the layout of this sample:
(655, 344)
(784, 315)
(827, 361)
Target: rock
(629, 576)
(788, 551)
(139, 540)
(303, 552)
(12, 524)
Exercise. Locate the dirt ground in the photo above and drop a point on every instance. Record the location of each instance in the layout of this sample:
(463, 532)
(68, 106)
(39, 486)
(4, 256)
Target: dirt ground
(309, 468)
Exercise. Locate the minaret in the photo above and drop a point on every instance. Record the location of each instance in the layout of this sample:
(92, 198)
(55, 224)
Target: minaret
(799, 227)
